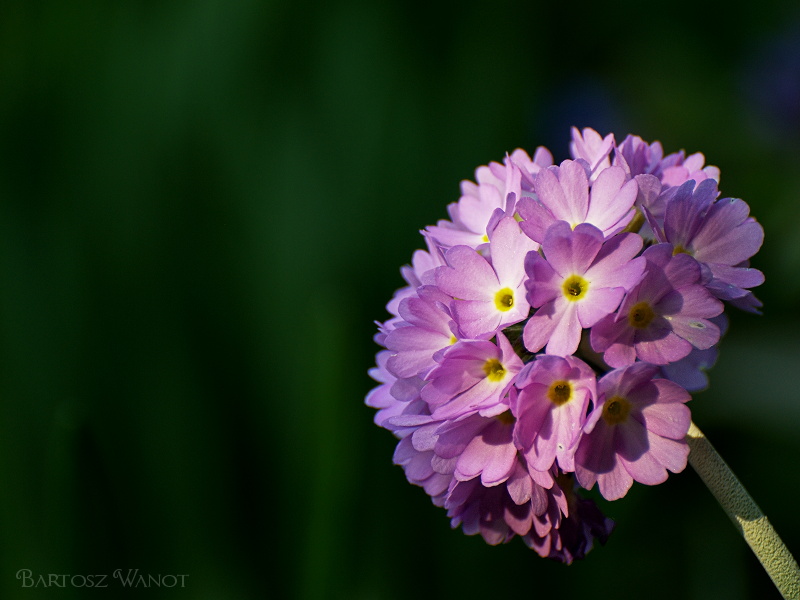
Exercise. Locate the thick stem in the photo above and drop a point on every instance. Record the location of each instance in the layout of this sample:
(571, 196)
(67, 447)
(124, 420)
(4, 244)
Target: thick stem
(745, 514)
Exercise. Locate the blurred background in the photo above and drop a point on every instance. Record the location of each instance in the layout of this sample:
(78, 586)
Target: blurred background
(204, 206)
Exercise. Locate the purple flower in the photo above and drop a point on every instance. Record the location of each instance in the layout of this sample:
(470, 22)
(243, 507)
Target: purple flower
(427, 328)
(419, 273)
(664, 317)
(488, 295)
(423, 262)
(635, 432)
(588, 145)
(692, 168)
(498, 188)
(638, 157)
(550, 409)
(473, 375)
(498, 513)
(418, 470)
(530, 167)
(569, 535)
(542, 257)
(555, 523)
(580, 280)
(479, 447)
(719, 234)
(690, 372)
(381, 397)
(563, 194)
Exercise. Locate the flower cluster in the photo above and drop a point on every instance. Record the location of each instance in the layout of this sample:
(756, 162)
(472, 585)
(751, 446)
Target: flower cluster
(548, 337)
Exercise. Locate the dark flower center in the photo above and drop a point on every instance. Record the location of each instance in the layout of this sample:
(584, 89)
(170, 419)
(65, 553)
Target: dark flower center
(616, 410)
(641, 315)
(560, 392)
(506, 418)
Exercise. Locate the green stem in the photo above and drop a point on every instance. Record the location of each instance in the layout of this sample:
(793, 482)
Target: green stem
(745, 514)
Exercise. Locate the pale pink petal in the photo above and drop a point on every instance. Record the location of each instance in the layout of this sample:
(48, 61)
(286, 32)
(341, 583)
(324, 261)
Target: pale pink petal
(611, 199)
(468, 276)
(567, 333)
(667, 419)
(476, 318)
(615, 483)
(536, 218)
(509, 246)
(673, 454)
(551, 194)
(598, 304)
(540, 327)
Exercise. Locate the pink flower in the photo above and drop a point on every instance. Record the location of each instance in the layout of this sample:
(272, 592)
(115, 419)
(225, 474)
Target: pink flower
(580, 280)
(488, 295)
(426, 328)
(591, 147)
(664, 317)
(554, 393)
(635, 432)
(499, 187)
(720, 234)
(472, 376)
(563, 194)
(479, 447)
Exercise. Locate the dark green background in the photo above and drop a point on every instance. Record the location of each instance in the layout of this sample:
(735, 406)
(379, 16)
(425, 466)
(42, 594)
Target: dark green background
(203, 208)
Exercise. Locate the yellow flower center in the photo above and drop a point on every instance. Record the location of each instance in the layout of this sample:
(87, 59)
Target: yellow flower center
(616, 410)
(575, 288)
(641, 315)
(560, 392)
(504, 299)
(681, 250)
(494, 370)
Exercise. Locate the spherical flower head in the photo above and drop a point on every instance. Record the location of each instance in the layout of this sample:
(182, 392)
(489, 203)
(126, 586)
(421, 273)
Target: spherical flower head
(664, 317)
(488, 294)
(550, 408)
(539, 257)
(580, 280)
(473, 375)
(635, 432)
(563, 194)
